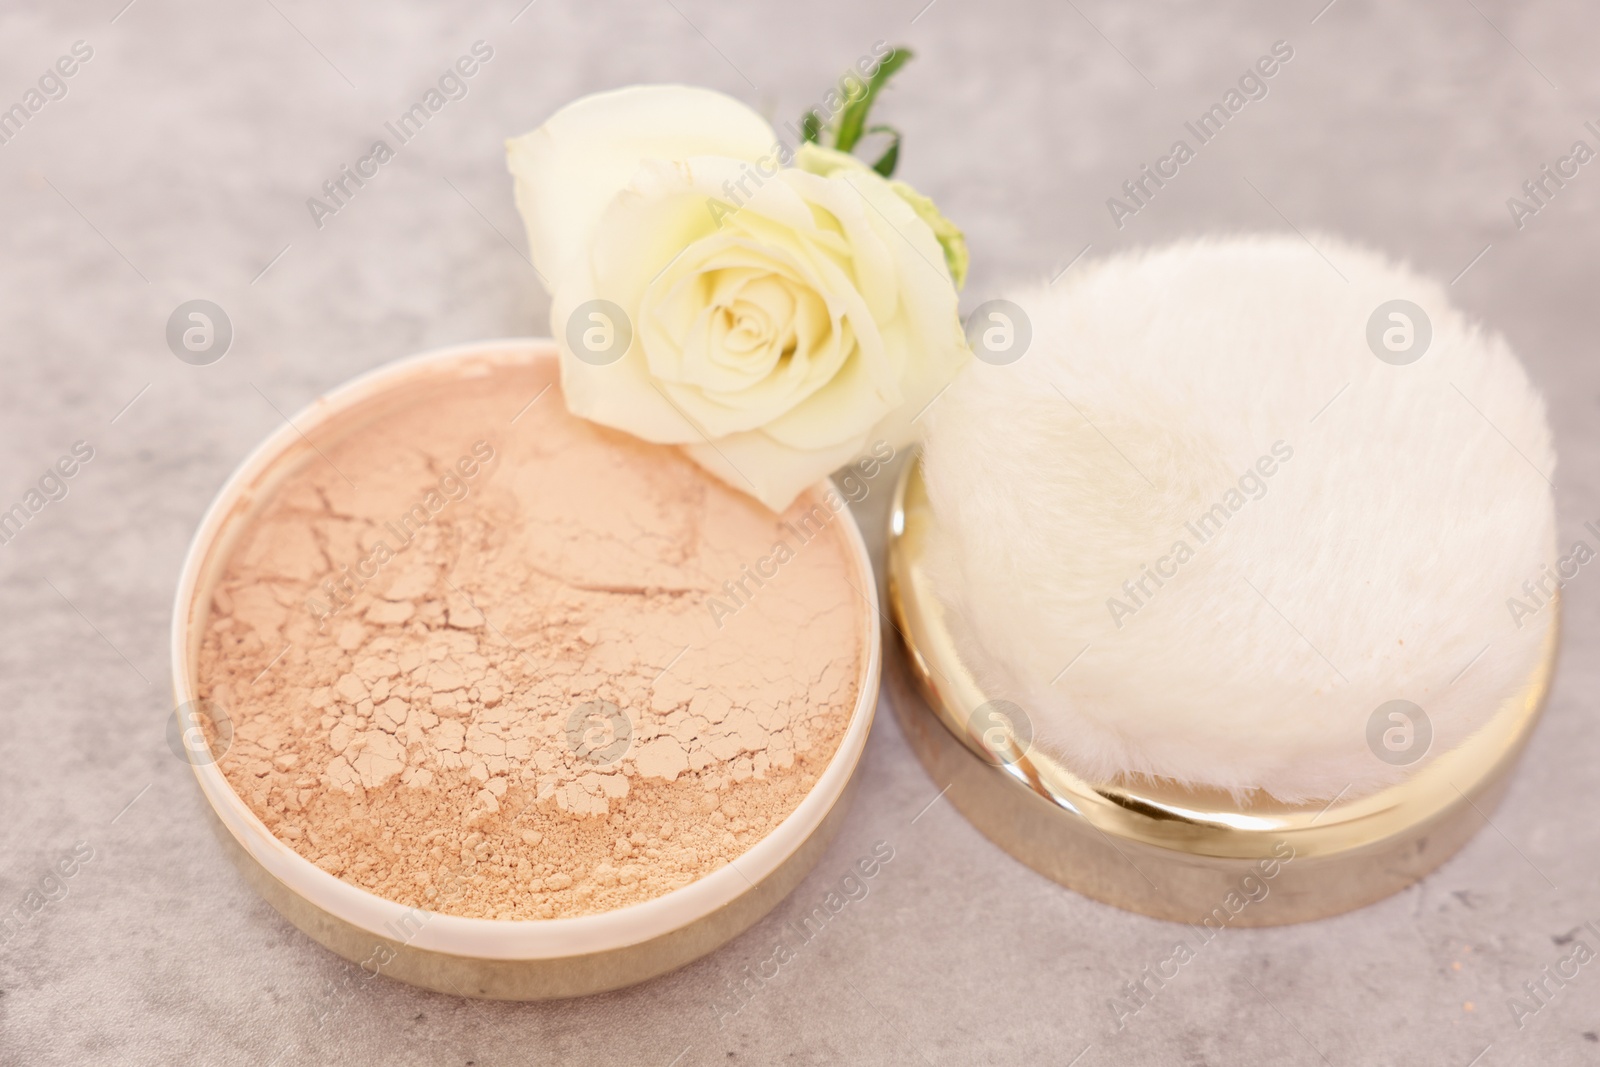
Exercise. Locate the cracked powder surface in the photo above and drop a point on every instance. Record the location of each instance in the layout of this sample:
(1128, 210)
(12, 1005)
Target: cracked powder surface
(526, 669)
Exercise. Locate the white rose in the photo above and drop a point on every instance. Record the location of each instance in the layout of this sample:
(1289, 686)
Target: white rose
(782, 319)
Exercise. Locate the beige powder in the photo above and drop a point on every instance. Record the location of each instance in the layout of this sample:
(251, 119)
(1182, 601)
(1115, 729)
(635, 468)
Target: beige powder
(527, 669)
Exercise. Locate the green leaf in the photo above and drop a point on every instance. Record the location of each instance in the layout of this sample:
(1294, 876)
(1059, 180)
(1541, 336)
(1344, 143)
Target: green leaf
(853, 119)
(891, 155)
(810, 126)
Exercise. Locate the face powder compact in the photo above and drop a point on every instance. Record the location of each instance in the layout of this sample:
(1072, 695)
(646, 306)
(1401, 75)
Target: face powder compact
(1231, 600)
(508, 704)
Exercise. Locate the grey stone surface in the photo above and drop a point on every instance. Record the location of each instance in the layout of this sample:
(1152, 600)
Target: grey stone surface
(177, 167)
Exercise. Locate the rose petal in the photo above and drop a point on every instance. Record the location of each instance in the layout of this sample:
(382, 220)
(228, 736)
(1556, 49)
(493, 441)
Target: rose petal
(835, 412)
(772, 473)
(722, 413)
(619, 394)
(569, 169)
(940, 356)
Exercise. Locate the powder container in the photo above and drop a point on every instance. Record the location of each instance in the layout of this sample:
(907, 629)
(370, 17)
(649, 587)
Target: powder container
(492, 958)
(1175, 853)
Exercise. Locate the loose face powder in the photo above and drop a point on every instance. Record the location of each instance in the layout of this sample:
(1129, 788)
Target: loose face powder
(487, 659)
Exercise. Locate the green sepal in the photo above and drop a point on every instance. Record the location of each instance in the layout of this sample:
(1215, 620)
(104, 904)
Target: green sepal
(853, 119)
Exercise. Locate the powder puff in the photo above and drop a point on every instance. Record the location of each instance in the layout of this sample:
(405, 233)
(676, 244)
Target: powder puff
(1201, 531)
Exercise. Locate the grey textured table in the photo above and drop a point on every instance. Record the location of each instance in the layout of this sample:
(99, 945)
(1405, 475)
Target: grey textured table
(177, 166)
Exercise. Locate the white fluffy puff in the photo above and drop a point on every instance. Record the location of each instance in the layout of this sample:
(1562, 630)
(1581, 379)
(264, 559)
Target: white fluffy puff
(1405, 505)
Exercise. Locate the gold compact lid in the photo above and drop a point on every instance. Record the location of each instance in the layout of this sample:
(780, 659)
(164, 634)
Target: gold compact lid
(1158, 847)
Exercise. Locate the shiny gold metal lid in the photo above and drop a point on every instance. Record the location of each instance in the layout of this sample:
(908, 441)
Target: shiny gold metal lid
(1164, 850)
